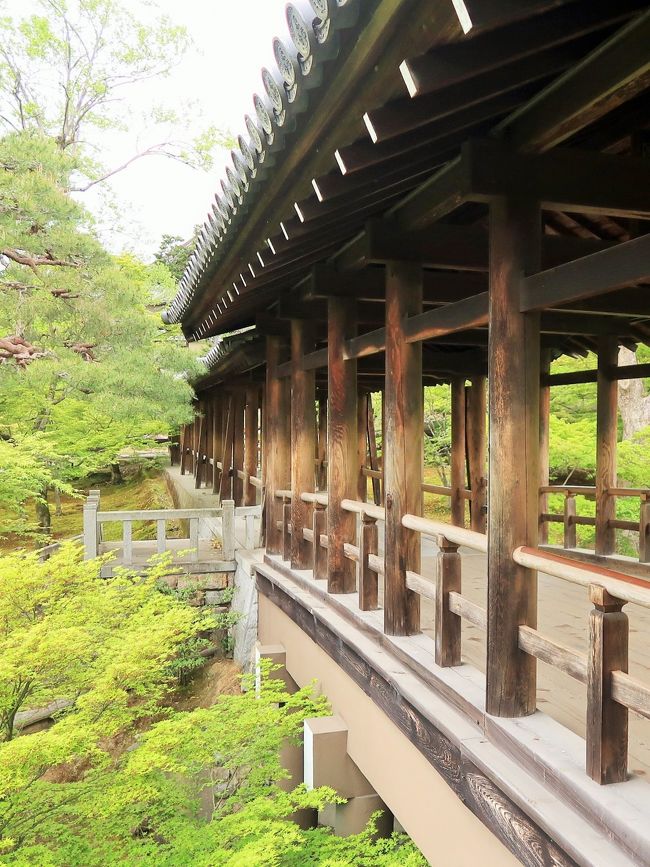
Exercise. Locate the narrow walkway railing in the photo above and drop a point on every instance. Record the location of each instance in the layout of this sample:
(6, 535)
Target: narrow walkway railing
(611, 691)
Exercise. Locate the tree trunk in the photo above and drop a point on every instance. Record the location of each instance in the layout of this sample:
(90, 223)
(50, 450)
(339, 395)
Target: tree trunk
(633, 402)
(43, 515)
(57, 503)
(116, 474)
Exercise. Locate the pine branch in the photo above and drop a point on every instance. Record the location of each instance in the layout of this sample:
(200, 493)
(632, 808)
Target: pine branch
(23, 258)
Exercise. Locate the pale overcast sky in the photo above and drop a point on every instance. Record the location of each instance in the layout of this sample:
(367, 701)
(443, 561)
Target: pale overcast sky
(232, 42)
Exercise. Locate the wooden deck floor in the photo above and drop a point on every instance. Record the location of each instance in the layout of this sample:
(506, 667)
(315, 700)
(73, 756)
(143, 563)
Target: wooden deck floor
(563, 614)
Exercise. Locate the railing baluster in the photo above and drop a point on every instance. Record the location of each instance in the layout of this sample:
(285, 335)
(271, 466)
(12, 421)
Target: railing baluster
(160, 536)
(607, 720)
(368, 579)
(286, 535)
(448, 579)
(194, 538)
(319, 525)
(127, 542)
(570, 512)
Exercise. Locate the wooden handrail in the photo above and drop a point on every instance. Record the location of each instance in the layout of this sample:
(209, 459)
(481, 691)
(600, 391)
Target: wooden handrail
(457, 535)
(587, 490)
(319, 497)
(377, 512)
(283, 494)
(157, 515)
(618, 584)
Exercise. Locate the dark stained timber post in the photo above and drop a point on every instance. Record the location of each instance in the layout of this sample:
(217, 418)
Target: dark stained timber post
(402, 447)
(644, 530)
(239, 402)
(607, 720)
(475, 434)
(544, 420)
(514, 363)
(319, 526)
(447, 626)
(225, 485)
(368, 579)
(606, 434)
(217, 440)
(200, 438)
(303, 439)
(342, 470)
(277, 444)
(250, 444)
(322, 444)
(362, 444)
(458, 452)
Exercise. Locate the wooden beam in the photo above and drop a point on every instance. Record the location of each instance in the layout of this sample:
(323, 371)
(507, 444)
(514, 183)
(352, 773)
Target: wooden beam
(303, 441)
(615, 72)
(468, 313)
(590, 276)
(514, 358)
(477, 15)
(579, 377)
(342, 469)
(402, 448)
(277, 444)
(606, 437)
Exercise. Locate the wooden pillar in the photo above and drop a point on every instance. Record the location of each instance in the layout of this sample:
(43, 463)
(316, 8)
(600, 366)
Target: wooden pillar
(217, 439)
(606, 436)
(277, 444)
(342, 477)
(607, 720)
(544, 421)
(200, 446)
(513, 477)
(458, 452)
(250, 444)
(372, 452)
(303, 437)
(225, 485)
(362, 440)
(402, 447)
(183, 441)
(475, 434)
(239, 403)
(322, 444)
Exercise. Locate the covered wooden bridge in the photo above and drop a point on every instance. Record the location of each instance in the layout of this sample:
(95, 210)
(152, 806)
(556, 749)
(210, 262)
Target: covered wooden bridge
(443, 192)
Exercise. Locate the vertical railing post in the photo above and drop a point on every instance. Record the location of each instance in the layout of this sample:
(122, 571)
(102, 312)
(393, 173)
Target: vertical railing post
(570, 528)
(277, 445)
(644, 529)
(287, 529)
(303, 439)
(607, 720)
(448, 624)
(514, 365)
(342, 473)
(319, 525)
(90, 526)
(403, 436)
(606, 435)
(127, 542)
(160, 536)
(228, 529)
(368, 579)
(194, 538)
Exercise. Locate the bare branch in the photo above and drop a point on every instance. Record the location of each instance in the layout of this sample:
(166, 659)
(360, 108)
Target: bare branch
(22, 258)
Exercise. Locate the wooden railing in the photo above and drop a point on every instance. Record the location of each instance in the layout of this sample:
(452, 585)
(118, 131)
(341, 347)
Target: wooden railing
(611, 691)
(94, 520)
(571, 520)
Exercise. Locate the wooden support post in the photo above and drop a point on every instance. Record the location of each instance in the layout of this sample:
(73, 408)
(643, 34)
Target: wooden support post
(322, 444)
(183, 443)
(286, 527)
(277, 444)
(303, 438)
(514, 360)
(447, 626)
(160, 536)
(475, 433)
(200, 436)
(458, 452)
(570, 535)
(368, 579)
(239, 402)
(319, 525)
(362, 444)
(607, 720)
(228, 529)
(217, 440)
(251, 422)
(544, 421)
(341, 444)
(225, 485)
(644, 530)
(402, 447)
(606, 435)
(372, 451)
